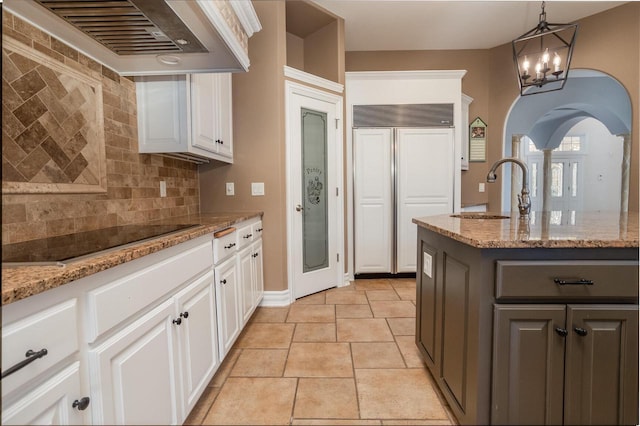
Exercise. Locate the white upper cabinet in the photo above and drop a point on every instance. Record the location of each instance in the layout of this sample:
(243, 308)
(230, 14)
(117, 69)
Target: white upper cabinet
(186, 116)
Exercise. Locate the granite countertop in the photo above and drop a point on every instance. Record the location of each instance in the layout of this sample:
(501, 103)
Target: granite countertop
(19, 282)
(545, 230)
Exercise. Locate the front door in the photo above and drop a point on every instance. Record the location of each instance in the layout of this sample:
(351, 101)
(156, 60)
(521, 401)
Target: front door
(313, 199)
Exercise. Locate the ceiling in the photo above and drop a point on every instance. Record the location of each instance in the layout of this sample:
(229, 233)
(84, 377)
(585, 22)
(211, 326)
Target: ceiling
(439, 25)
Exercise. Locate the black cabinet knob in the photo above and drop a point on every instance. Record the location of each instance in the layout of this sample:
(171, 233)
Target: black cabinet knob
(562, 331)
(185, 315)
(81, 404)
(177, 321)
(223, 281)
(580, 331)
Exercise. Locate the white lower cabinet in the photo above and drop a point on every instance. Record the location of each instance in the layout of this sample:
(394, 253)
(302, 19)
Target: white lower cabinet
(56, 401)
(135, 372)
(227, 304)
(245, 266)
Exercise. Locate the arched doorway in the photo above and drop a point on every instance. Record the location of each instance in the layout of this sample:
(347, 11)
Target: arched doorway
(593, 109)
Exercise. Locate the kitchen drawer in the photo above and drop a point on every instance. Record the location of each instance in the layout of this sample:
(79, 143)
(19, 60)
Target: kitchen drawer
(572, 280)
(224, 244)
(256, 229)
(113, 303)
(245, 235)
(54, 329)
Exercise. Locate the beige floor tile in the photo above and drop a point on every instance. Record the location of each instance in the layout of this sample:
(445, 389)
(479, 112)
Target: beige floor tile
(270, 314)
(312, 299)
(326, 399)
(381, 295)
(353, 311)
(393, 309)
(363, 330)
(253, 401)
(266, 336)
(416, 422)
(347, 298)
(382, 284)
(376, 355)
(410, 352)
(224, 369)
(202, 407)
(312, 313)
(350, 287)
(341, 422)
(406, 293)
(260, 363)
(402, 326)
(315, 332)
(404, 283)
(397, 394)
(319, 360)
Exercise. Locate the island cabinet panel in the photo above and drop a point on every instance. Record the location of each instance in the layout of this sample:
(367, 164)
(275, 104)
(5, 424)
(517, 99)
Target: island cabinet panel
(528, 364)
(602, 365)
(426, 327)
(455, 331)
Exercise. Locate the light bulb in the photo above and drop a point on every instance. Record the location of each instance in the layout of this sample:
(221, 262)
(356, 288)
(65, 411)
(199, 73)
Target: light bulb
(556, 62)
(545, 59)
(538, 70)
(526, 65)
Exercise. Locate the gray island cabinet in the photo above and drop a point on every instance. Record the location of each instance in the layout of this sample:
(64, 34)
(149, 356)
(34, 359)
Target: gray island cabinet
(531, 321)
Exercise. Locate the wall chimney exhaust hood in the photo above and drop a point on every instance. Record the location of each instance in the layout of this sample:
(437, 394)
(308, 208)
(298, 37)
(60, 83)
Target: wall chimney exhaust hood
(149, 37)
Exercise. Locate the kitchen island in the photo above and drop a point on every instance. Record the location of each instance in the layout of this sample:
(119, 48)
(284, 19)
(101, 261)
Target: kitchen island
(531, 321)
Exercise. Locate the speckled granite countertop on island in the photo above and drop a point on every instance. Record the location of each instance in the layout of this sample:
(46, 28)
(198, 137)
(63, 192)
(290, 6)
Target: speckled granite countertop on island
(19, 282)
(545, 230)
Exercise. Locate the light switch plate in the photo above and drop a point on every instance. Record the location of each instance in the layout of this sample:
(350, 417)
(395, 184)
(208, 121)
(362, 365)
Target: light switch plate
(163, 188)
(257, 188)
(427, 267)
(481, 187)
(230, 189)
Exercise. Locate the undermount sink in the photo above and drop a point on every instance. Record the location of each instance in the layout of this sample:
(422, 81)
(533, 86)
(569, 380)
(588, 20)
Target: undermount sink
(479, 215)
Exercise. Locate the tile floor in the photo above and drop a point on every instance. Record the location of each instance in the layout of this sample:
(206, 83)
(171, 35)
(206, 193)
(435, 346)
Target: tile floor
(345, 356)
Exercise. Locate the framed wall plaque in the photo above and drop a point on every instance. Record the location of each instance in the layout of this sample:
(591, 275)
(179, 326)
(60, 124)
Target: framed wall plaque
(478, 140)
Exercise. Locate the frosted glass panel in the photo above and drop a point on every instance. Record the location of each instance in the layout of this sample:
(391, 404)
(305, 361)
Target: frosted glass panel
(315, 247)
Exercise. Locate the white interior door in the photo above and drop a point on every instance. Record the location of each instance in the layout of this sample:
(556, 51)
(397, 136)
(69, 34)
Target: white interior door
(425, 159)
(312, 137)
(373, 203)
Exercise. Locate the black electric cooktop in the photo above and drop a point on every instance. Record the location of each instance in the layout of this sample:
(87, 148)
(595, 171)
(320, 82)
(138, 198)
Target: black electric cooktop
(66, 247)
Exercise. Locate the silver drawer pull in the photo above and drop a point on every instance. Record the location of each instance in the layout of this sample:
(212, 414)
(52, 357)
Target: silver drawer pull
(581, 281)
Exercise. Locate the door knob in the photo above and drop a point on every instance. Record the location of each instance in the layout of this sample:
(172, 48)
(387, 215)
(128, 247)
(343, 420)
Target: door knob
(299, 208)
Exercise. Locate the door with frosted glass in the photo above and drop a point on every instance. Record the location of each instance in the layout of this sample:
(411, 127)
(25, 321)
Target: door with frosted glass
(566, 185)
(313, 174)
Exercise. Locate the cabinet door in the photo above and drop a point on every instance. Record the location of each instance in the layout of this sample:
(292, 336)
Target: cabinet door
(425, 160)
(197, 337)
(225, 117)
(162, 113)
(136, 372)
(50, 403)
(258, 273)
(245, 263)
(227, 304)
(602, 365)
(528, 364)
(204, 112)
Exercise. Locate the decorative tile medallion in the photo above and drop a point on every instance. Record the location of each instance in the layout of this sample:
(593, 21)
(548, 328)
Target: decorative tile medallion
(52, 125)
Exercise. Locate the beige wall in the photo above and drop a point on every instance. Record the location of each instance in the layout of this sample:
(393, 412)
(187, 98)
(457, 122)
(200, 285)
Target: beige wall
(608, 42)
(259, 143)
(133, 193)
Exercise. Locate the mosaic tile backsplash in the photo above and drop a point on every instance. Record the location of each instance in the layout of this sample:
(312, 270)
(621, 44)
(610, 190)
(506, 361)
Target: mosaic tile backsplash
(132, 179)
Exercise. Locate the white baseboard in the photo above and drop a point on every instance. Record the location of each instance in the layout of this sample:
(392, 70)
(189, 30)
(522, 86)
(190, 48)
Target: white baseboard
(347, 280)
(276, 298)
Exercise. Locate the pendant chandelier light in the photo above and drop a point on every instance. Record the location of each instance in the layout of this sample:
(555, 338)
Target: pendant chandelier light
(542, 56)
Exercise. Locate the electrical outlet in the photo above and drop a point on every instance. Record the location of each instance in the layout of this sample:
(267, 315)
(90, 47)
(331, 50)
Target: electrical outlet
(427, 267)
(163, 188)
(257, 188)
(230, 190)
(481, 187)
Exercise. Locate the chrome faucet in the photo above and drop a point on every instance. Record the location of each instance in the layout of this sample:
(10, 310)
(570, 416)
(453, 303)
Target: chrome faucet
(524, 202)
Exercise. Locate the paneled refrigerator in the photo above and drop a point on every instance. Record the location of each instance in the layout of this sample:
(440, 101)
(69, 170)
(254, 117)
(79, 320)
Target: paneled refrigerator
(403, 168)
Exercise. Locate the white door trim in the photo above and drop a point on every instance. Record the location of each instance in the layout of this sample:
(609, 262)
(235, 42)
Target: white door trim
(296, 89)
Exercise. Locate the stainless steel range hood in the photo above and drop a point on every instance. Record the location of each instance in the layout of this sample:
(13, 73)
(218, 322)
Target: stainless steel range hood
(147, 37)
